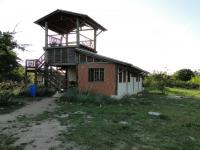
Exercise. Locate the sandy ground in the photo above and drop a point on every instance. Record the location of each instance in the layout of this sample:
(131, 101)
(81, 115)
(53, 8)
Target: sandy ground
(31, 109)
(34, 136)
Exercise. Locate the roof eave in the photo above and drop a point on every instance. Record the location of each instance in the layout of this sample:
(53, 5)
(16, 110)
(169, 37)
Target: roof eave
(83, 16)
(112, 60)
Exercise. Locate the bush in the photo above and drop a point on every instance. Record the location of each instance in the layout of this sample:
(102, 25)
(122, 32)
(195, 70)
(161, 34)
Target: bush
(184, 74)
(40, 92)
(6, 98)
(183, 84)
(195, 80)
(157, 81)
(44, 92)
(75, 96)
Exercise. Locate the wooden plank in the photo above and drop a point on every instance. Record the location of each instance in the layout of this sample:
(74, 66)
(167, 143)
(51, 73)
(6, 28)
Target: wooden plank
(46, 34)
(66, 40)
(64, 55)
(77, 32)
(61, 54)
(95, 36)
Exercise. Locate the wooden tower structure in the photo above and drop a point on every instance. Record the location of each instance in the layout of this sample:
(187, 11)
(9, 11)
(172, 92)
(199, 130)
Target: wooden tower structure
(65, 32)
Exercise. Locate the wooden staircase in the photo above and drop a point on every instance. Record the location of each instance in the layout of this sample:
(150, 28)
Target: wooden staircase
(53, 77)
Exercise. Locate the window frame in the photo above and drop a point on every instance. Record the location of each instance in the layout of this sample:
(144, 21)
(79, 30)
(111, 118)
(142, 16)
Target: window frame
(120, 75)
(96, 74)
(124, 76)
(129, 77)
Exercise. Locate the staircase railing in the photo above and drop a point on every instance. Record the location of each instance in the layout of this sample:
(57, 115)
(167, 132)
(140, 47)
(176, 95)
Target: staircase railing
(39, 66)
(40, 62)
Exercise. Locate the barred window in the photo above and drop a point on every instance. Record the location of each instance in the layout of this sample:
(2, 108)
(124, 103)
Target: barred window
(129, 76)
(96, 74)
(101, 74)
(120, 75)
(138, 78)
(89, 59)
(124, 76)
(82, 58)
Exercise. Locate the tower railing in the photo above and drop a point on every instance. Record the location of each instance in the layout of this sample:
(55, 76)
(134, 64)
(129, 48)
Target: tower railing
(57, 40)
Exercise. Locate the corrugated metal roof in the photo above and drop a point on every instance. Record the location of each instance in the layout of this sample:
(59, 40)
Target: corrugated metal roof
(110, 59)
(67, 25)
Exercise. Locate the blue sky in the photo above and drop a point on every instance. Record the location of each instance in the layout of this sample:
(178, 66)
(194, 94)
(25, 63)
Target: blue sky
(161, 35)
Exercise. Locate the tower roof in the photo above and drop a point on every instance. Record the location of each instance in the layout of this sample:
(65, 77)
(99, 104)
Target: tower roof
(62, 21)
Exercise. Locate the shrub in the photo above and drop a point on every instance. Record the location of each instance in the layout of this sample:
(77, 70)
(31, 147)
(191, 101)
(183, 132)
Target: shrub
(5, 98)
(183, 84)
(184, 74)
(40, 92)
(44, 92)
(195, 80)
(157, 81)
(75, 96)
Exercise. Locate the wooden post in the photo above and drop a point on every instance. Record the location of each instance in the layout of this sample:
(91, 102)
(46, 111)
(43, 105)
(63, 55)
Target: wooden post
(66, 78)
(26, 75)
(46, 66)
(35, 80)
(66, 40)
(46, 75)
(46, 34)
(77, 32)
(77, 80)
(95, 37)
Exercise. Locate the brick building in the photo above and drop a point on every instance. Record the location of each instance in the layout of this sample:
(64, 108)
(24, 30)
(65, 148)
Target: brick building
(71, 59)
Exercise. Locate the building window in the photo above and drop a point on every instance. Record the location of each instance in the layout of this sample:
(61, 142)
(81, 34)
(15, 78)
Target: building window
(97, 60)
(120, 75)
(90, 59)
(137, 78)
(101, 74)
(82, 58)
(124, 76)
(91, 74)
(129, 76)
(96, 74)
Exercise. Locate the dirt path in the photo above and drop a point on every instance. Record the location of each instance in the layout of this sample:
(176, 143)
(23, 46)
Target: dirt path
(31, 109)
(33, 136)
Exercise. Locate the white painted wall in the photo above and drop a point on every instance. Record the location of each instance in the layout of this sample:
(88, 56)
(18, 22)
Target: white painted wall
(129, 88)
(71, 74)
(140, 86)
(121, 89)
(135, 86)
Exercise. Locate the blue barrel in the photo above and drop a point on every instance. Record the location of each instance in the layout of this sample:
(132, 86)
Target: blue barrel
(32, 90)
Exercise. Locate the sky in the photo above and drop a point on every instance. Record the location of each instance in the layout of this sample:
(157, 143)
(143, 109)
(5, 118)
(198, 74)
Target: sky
(155, 35)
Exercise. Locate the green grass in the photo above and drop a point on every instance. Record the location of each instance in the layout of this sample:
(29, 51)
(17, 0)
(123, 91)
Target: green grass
(6, 142)
(101, 126)
(125, 124)
(17, 102)
(184, 92)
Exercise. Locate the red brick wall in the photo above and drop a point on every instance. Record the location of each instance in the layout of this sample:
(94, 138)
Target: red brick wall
(106, 87)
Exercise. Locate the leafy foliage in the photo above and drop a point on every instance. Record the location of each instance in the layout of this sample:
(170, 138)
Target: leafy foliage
(75, 96)
(9, 64)
(195, 80)
(184, 74)
(41, 91)
(5, 98)
(183, 84)
(157, 80)
(184, 78)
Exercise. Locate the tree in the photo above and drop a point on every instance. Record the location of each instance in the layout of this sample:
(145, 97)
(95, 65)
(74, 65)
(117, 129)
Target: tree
(9, 62)
(157, 80)
(184, 75)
